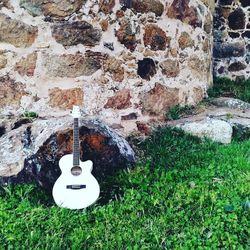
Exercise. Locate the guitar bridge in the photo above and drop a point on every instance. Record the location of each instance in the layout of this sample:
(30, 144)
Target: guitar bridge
(75, 187)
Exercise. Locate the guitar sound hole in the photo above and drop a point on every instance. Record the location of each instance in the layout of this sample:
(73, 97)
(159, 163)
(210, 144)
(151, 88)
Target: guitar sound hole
(76, 170)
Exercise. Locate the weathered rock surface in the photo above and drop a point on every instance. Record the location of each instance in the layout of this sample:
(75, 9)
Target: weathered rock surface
(216, 130)
(231, 103)
(76, 64)
(185, 40)
(126, 34)
(170, 67)
(27, 65)
(235, 49)
(16, 32)
(155, 37)
(106, 6)
(11, 92)
(159, 100)
(181, 9)
(53, 8)
(78, 32)
(115, 68)
(32, 151)
(6, 4)
(144, 6)
(3, 60)
(65, 98)
(121, 100)
(216, 120)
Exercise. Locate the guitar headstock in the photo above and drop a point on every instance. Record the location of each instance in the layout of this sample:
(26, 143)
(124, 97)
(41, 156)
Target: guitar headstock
(76, 112)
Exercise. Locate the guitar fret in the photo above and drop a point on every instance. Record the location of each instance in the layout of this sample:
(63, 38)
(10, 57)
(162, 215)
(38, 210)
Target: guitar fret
(76, 143)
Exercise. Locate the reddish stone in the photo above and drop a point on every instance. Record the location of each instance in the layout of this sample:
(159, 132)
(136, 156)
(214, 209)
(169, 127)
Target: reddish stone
(120, 101)
(26, 66)
(11, 92)
(155, 37)
(159, 100)
(96, 142)
(125, 34)
(181, 10)
(65, 98)
(115, 68)
(143, 128)
(185, 40)
(145, 6)
(119, 13)
(16, 32)
(106, 6)
(104, 25)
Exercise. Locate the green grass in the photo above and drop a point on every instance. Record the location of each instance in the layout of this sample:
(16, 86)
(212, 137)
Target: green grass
(229, 88)
(185, 194)
(177, 111)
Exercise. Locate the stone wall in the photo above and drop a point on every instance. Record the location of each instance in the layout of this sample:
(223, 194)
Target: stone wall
(124, 62)
(232, 39)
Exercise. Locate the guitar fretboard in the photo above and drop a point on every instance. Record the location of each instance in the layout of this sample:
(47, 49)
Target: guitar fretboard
(76, 144)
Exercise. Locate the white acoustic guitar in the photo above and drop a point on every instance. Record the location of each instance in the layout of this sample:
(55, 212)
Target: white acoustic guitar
(76, 188)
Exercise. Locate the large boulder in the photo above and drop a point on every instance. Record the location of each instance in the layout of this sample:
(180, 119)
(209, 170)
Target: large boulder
(216, 130)
(30, 151)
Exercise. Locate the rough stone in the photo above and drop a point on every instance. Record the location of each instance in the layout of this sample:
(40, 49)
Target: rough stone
(206, 46)
(16, 32)
(65, 98)
(126, 35)
(121, 100)
(226, 2)
(115, 68)
(159, 100)
(104, 24)
(245, 3)
(196, 64)
(131, 116)
(232, 103)
(11, 92)
(170, 68)
(237, 19)
(155, 37)
(185, 41)
(198, 94)
(3, 61)
(181, 10)
(236, 49)
(208, 25)
(145, 6)
(53, 8)
(216, 130)
(6, 4)
(106, 6)
(27, 65)
(146, 68)
(32, 152)
(246, 34)
(236, 66)
(76, 64)
(78, 32)
(143, 128)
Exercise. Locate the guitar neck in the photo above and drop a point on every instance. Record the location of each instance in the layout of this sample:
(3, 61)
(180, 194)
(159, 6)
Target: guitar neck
(76, 143)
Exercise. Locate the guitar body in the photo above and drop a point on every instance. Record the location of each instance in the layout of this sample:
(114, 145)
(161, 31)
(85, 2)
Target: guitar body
(76, 188)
